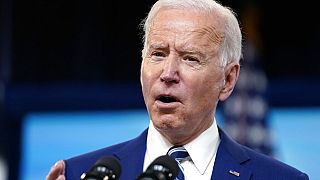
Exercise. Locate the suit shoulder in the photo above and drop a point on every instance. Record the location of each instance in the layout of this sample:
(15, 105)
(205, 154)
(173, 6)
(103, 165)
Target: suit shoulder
(106, 151)
(110, 150)
(75, 166)
(267, 166)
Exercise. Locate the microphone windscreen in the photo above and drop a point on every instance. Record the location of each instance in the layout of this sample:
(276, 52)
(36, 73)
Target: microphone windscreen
(167, 162)
(111, 163)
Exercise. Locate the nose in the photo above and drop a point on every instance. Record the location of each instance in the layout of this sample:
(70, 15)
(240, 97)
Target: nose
(170, 71)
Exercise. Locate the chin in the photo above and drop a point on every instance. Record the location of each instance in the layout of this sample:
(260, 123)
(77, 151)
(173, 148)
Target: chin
(167, 124)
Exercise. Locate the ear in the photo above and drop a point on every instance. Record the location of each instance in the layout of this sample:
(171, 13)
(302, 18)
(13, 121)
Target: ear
(231, 76)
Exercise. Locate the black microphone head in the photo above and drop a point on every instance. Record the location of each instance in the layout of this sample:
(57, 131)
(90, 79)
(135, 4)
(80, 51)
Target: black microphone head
(162, 168)
(107, 166)
(167, 162)
(110, 162)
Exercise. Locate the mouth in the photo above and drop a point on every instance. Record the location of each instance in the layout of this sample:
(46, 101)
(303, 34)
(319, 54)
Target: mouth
(167, 99)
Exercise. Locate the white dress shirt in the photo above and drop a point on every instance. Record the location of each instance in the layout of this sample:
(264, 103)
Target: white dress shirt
(202, 151)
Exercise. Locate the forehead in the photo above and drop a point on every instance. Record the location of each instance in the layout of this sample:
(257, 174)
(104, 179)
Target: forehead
(186, 25)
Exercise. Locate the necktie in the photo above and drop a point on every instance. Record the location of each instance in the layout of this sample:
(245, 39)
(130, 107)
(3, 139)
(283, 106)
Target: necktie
(179, 153)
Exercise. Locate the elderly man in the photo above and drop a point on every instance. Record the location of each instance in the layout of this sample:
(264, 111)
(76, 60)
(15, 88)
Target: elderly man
(190, 62)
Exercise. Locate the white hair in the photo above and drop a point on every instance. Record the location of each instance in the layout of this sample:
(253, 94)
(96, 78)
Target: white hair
(230, 50)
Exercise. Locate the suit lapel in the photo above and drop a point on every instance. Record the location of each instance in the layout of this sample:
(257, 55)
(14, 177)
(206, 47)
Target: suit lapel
(131, 157)
(229, 159)
(228, 163)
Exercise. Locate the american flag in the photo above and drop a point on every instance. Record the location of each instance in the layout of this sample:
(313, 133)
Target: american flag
(246, 111)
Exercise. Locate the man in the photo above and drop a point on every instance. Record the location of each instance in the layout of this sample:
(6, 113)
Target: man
(190, 62)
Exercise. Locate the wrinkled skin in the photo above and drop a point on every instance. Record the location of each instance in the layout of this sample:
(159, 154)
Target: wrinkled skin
(182, 75)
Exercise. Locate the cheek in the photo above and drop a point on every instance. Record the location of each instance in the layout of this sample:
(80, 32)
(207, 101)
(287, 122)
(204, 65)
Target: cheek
(148, 71)
(145, 83)
(206, 91)
(148, 77)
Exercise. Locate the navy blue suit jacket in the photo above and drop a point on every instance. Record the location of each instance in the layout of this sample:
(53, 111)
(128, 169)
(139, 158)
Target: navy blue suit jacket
(231, 156)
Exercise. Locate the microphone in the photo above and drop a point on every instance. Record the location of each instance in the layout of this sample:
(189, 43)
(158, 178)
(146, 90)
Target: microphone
(105, 168)
(162, 168)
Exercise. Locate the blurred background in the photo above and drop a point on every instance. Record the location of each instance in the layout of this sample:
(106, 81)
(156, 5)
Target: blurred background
(69, 81)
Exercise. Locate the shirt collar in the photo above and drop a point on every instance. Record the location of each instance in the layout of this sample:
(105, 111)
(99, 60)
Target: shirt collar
(157, 145)
(201, 150)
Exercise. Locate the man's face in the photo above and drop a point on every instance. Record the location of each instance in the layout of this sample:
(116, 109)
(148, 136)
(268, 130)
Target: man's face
(181, 74)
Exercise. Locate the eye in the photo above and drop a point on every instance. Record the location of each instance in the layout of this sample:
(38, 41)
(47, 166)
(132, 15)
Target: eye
(158, 54)
(191, 59)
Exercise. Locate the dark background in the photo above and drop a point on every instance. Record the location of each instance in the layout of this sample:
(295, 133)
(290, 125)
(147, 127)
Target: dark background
(83, 55)
(54, 41)
(100, 40)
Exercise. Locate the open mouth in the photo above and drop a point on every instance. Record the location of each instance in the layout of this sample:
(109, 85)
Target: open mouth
(167, 99)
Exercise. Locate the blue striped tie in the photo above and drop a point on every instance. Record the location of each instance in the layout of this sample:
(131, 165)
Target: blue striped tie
(179, 153)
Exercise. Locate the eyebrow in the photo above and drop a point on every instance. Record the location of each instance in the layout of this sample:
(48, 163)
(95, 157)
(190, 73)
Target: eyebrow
(158, 46)
(187, 49)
